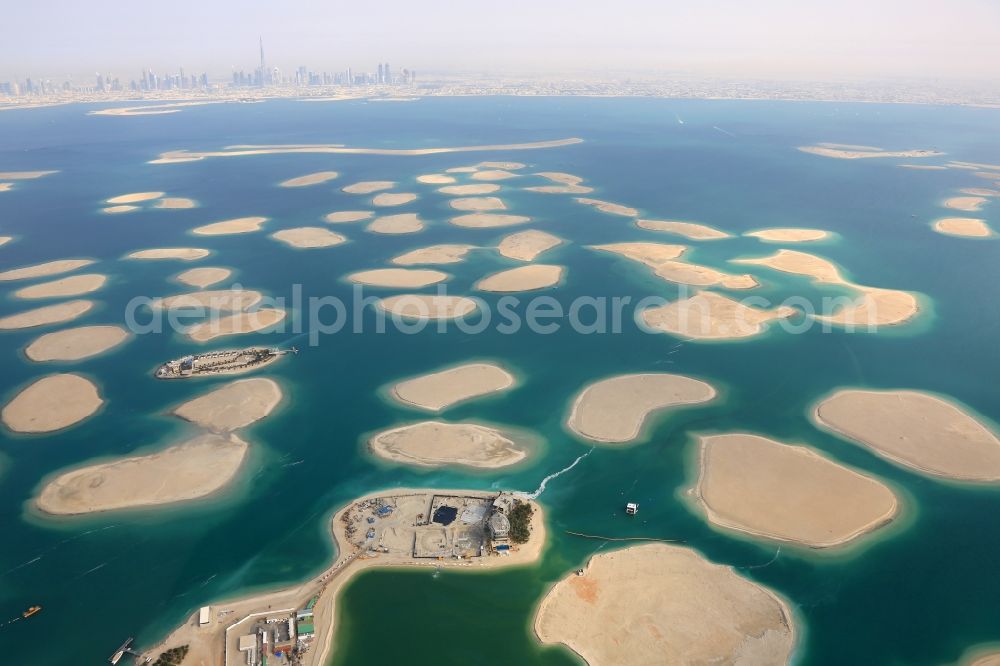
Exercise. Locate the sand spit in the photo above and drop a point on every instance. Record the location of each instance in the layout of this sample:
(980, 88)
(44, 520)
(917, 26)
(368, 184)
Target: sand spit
(398, 278)
(608, 207)
(874, 306)
(662, 259)
(218, 300)
(966, 204)
(923, 167)
(488, 220)
(435, 444)
(236, 324)
(239, 225)
(175, 203)
(434, 254)
(961, 165)
(689, 230)
(522, 278)
(49, 314)
(203, 277)
(308, 237)
(369, 186)
(232, 406)
(149, 109)
(435, 179)
(24, 175)
(650, 254)
(860, 152)
(478, 203)
(506, 166)
(116, 210)
(980, 191)
(464, 190)
(393, 198)
(438, 391)
(914, 429)
(309, 179)
(402, 223)
(493, 174)
(527, 245)
(613, 410)
(135, 197)
(181, 253)
(73, 285)
(763, 487)
(74, 344)
(44, 270)
(426, 306)
(664, 604)
(963, 226)
(52, 403)
(711, 316)
(559, 177)
(196, 468)
(343, 216)
(789, 235)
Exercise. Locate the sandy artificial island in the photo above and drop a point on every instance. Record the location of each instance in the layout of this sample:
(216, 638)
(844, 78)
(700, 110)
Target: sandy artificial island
(789, 235)
(44, 270)
(965, 227)
(343, 216)
(663, 259)
(233, 405)
(664, 604)
(765, 488)
(608, 207)
(477, 203)
(874, 307)
(235, 324)
(466, 190)
(48, 314)
(426, 306)
(435, 443)
(220, 300)
(187, 471)
(435, 179)
(239, 225)
(434, 254)
(848, 152)
(174, 203)
(73, 285)
(135, 198)
(52, 403)
(493, 174)
(690, 230)
(527, 245)
(711, 316)
(522, 278)
(916, 430)
(614, 410)
(398, 278)
(441, 390)
(393, 198)
(369, 186)
(567, 184)
(308, 237)
(488, 220)
(966, 204)
(402, 223)
(203, 277)
(181, 253)
(310, 179)
(74, 344)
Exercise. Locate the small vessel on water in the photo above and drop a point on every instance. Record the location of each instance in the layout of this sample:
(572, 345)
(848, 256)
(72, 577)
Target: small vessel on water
(31, 611)
(227, 361)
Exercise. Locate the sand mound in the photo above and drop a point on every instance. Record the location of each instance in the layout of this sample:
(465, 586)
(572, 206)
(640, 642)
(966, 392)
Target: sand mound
(608, 207)
(135, 198)
(64, 287)
(239, 225)
(527, 245)
(73, 344)
(687, 229)
(790, 493)
(440, 390)
(789, 235)
(435, 179)
(236, 324)
(194, 469)
(478, 203)
(308, 237)
(182, 253)
(493, 174)
(370, 186)
(465, 190)
(52, 403)
(488, 220)
(233, 405)
(393, 198)
(662, 604)
(203, 277)
(614, 410)
(309, 179)
(522, 278)
(43, 316)
(434, 444)
(915, 429)
(434, 254)
(711, 316)
(175, 203)
(425, 306)
(348, 216)
(398, 277)
(403, 223)
(44, 270)
(963, 226)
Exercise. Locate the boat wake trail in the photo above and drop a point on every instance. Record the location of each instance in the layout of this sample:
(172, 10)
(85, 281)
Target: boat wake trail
(766, 564)
(545, 481)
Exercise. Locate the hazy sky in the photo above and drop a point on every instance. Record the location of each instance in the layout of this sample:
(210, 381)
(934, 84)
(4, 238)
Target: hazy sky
(765, 38)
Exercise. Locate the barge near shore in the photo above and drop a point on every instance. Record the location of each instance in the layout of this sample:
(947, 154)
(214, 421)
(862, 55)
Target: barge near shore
(224, 362)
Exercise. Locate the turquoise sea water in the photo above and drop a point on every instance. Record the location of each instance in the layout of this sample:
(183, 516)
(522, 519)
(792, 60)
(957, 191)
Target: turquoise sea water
(920, 593)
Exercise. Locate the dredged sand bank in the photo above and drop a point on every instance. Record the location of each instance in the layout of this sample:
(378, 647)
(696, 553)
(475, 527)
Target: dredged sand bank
(507, 166)
(74, 344)
(233, 405)
(24, 175)
(965, 227)
(369, 186)
(74, 285)
(527, 245)
(45, 269)
(52, 403)
(842, 152)
(609, 207)
(401, 223)
(665, 604)
(917, 430)
(477, 203)
(136, 197)
(662, 258)
(789, 235)
(426, 306)
(219, 300)
(387, 199)
(466, 190)
(690, 230)
(435, 179)
(191, 470)
(115, 210)
(45, 315)
(398, 278)
(488, 220)
(773, 490)
(343, 216)
(436, 443)
(434, 254)
(493, 174)
(613, 410)
(175, 203)
(567, 184)
(181, 253)
(309, 179)
(239, 225)
(308, 237)
(203, 277)
(966, 204)
(440, 390)
(236, 324)
(522, 278)
(711, 316)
